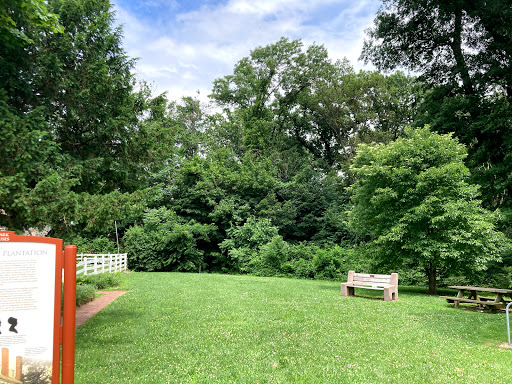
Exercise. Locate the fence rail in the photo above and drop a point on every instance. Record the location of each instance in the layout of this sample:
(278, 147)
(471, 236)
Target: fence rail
(93, 264)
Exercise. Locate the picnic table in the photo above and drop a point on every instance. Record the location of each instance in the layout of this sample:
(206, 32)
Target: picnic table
(494, 301)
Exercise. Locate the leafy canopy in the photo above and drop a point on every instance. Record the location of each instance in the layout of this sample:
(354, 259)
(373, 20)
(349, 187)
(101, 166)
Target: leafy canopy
(412, 200)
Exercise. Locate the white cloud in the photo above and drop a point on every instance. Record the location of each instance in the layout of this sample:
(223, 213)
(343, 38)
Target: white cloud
(184, 52)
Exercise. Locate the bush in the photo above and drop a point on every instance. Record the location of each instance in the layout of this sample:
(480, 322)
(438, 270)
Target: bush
(327, 262)
(165, 243)
(84, 294)
(300, 260)
(97, 245)
(270, 258)
(100, 281)
(245, 246)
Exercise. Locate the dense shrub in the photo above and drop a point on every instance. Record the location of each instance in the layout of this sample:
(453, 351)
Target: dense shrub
(270, 258)
(84, 294)
(100, 281)
(256, 248)
(327, 263)
(244, 244)
(95, 245)
(165, 243)
(300, 260)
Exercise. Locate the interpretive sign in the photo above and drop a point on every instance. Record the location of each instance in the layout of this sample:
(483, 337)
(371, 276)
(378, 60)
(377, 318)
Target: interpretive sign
(30, 308)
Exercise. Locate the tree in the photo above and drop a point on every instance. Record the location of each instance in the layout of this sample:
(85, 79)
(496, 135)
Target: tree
(17, 15)
(282, 97)
(21, 21)
(266, 86)
(413, 202)
(344, 108)
(36, 371)
(30, 184)
(165, 242)
(83, 82)
(466, 44)
(73, 130)
(464, 50)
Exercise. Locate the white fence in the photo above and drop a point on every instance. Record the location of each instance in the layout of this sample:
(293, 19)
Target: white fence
(89, 264)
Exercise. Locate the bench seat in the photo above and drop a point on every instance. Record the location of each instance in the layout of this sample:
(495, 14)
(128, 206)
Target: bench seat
(486, 301)
(368, 287)
(493, 298)
(386, 283)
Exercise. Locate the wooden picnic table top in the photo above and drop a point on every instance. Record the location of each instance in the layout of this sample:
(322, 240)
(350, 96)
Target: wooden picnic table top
(480, 289)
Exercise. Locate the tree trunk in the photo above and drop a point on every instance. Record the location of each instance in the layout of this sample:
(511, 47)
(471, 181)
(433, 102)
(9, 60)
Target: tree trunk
(456, 46)
(431, 272)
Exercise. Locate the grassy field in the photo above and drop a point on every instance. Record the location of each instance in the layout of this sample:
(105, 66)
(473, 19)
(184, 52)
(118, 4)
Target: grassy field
(201, 328)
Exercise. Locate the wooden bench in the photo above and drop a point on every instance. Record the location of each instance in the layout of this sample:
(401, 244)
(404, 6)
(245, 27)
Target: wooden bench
(492, 305)
(386, 283)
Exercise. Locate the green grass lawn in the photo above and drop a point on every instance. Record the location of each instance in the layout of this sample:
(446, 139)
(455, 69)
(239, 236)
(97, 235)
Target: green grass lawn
(205, 328)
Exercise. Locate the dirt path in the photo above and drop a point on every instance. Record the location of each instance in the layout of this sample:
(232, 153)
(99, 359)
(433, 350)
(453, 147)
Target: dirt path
(86, 311)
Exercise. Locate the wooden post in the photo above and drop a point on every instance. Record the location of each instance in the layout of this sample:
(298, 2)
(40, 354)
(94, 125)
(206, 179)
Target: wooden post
(68, 321)
(345, 290)
(18, 367)
(5, 362)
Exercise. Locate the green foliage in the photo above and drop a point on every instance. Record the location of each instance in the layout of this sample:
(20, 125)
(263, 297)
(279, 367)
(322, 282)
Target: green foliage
(86, 88)
(32, 192)
(284, 99)
(96, 245)
(100, 281)
(412, 200)
(87, 285)
(463, 50)
(85, 293)
(69, 119)
(464, 42)
(300, 263)
(244, 244)
(327, 263)
(261, 186)
(16, 16)
(256, 248)
(164, 242)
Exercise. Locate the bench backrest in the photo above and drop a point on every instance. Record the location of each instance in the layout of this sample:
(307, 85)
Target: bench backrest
(372, 279)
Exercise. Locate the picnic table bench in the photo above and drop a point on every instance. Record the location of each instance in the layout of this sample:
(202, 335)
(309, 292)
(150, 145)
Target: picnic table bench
(386, 283)
(493, 303)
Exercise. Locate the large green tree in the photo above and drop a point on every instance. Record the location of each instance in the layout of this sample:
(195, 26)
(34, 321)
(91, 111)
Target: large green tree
(464, 50)
(283, 96)
(462, 43)
(85, 85)
(21, 22)
(413, 202)
(30, 157)
(77, 142)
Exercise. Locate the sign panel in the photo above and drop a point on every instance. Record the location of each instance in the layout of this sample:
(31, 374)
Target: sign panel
(28, 309)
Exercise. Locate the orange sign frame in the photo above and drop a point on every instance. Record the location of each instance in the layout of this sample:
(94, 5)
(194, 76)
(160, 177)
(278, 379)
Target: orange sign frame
(63, 323)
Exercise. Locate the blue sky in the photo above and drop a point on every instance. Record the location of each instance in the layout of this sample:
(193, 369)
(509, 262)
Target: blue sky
(183, 45)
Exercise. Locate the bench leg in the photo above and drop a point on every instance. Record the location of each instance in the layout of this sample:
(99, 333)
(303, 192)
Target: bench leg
(460, 295)
(390, 294)
(346, 291)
